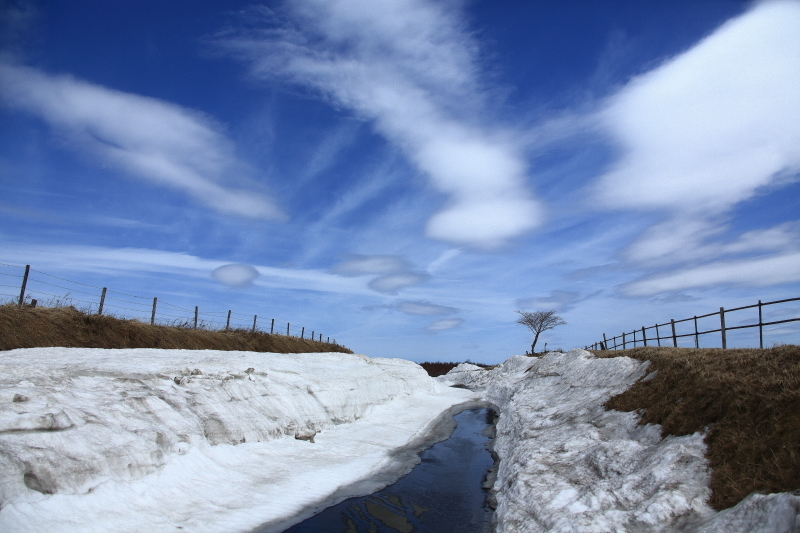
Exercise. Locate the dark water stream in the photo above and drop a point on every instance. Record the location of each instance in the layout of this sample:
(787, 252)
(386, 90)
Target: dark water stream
(442, 494)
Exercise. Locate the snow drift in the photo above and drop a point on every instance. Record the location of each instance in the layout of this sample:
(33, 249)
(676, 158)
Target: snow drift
(159, 440)
(568, 465)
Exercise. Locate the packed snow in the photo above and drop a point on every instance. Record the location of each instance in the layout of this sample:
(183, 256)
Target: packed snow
(210, 441)
(183, 440)
(568, 465)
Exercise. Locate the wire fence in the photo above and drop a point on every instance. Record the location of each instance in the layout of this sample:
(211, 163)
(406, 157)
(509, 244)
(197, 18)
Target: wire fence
(26, 286)
(689, 330)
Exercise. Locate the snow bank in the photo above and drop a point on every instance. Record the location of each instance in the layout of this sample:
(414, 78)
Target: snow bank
(568, 465)
(166, 440)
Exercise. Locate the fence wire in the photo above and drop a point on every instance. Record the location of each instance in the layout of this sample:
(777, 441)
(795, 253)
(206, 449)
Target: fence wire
(28, 291)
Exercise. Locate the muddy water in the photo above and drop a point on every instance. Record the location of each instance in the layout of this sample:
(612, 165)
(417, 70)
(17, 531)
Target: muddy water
(442, 494)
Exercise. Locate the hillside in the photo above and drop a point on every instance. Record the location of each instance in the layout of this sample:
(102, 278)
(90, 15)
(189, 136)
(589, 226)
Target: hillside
(26, 327)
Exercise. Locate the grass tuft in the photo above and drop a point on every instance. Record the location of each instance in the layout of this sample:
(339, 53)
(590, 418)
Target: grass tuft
(29, 327)
(747, 399)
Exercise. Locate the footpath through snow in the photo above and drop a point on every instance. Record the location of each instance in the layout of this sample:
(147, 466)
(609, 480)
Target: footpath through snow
(203, 441)
(569, 466)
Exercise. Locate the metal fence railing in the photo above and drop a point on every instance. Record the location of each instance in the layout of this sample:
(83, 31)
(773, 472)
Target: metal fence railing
(630, 338)
(25, 286)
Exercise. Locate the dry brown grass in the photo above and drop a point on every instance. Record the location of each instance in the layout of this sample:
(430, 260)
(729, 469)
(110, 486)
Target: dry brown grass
(26, 327)
(440, 369)
(748, 398)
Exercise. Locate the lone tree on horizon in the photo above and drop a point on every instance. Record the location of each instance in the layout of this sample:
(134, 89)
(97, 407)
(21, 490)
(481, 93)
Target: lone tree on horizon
(538, 322)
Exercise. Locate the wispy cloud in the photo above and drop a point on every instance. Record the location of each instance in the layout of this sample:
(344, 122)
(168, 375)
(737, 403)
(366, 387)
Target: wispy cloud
(424, 308)
(410, 67)
(144, 137)
(710, 127)
(706, 130)
(359, 265)
(415, 308)
(758, 272)
(558, 301)
(444, 324)
(391, 283)
(130, 261)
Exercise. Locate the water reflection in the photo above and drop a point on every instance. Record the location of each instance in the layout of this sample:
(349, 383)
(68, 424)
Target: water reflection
(440, 495)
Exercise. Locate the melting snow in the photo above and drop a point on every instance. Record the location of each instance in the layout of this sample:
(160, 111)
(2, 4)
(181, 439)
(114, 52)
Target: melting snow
(164, 440)
(209, 441)
(568, 465)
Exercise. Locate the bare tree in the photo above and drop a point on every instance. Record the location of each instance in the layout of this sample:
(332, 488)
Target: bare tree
(538, 322)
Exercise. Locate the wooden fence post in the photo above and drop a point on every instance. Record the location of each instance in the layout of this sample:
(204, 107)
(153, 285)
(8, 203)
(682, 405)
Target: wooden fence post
(760, 328)
(287, 329)
(658, 336)
(33, 303)
(228, 323)
(312, 335)
(24, 284)
(722, 327)
(153, 314)
(255, 317)
(102, 301)
(623, 341)
(644, 337)
(272, 327)
(196, 312)
(303, 333)
(674, 337)
(605, 342)
(320, 337)
(696, 336)
(329, 340)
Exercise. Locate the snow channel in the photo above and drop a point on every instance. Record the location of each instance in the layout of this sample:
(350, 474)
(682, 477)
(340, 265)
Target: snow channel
(206, 441)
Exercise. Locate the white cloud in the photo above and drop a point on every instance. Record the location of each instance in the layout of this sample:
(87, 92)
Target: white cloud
(704, 131)
(711, 126)
(757, 272)
(424, 308)
(145, 137)
(444, 324)
(446, 256)
(408, 66)
(391, 283)
(359, 265)
(235, 275)
(682, 239)
(130, 261)
(558, 301)
(396, 272)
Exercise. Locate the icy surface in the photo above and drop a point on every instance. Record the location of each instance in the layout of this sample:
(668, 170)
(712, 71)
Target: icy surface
(171, 440)
(568, 465)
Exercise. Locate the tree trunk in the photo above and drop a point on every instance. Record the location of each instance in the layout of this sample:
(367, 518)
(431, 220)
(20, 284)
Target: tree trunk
(533, 346)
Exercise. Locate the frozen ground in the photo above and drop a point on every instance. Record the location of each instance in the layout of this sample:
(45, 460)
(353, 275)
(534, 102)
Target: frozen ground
(567, 465)
(180, 440)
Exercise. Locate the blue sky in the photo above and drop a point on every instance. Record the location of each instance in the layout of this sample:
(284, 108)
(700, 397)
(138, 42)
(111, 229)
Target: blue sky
(403, 175)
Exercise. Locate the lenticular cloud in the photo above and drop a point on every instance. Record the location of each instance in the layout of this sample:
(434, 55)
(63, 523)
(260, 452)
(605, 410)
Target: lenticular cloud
(235, 275)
